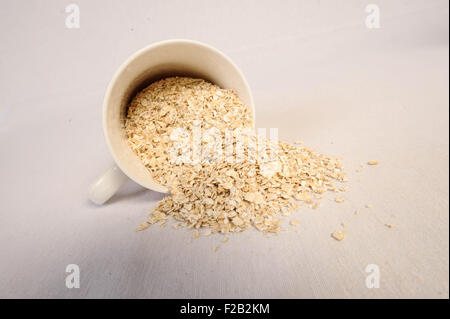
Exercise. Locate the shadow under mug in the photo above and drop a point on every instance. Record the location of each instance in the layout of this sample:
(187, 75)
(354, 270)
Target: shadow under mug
(152, 63)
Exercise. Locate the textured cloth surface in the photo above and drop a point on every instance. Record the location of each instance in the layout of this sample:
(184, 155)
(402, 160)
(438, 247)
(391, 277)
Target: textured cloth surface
(317, 74)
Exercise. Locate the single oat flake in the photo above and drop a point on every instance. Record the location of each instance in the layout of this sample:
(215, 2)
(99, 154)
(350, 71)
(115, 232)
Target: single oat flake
(372, 163)
(339, 199)
(339, 235)
(232, 193)
(294, 222)
(142, 226)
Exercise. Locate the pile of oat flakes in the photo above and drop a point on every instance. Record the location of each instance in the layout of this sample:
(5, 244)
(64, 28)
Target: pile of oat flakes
(233, 193)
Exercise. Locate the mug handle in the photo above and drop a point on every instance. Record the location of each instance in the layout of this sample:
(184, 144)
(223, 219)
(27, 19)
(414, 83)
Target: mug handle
(107, 185)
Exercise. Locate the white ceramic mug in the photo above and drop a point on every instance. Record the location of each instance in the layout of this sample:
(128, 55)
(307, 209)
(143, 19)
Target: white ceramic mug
(154, 62)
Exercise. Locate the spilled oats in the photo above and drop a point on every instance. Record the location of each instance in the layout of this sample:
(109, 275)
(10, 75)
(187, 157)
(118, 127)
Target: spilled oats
(238, 191)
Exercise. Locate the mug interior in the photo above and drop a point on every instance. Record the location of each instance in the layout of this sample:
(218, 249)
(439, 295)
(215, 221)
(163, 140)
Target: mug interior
(158, 61)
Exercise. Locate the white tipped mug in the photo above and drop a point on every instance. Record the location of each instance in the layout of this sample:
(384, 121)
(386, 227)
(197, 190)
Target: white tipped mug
(152, 63)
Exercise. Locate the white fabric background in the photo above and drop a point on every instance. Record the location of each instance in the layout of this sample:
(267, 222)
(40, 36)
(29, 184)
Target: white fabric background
(317, 73)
